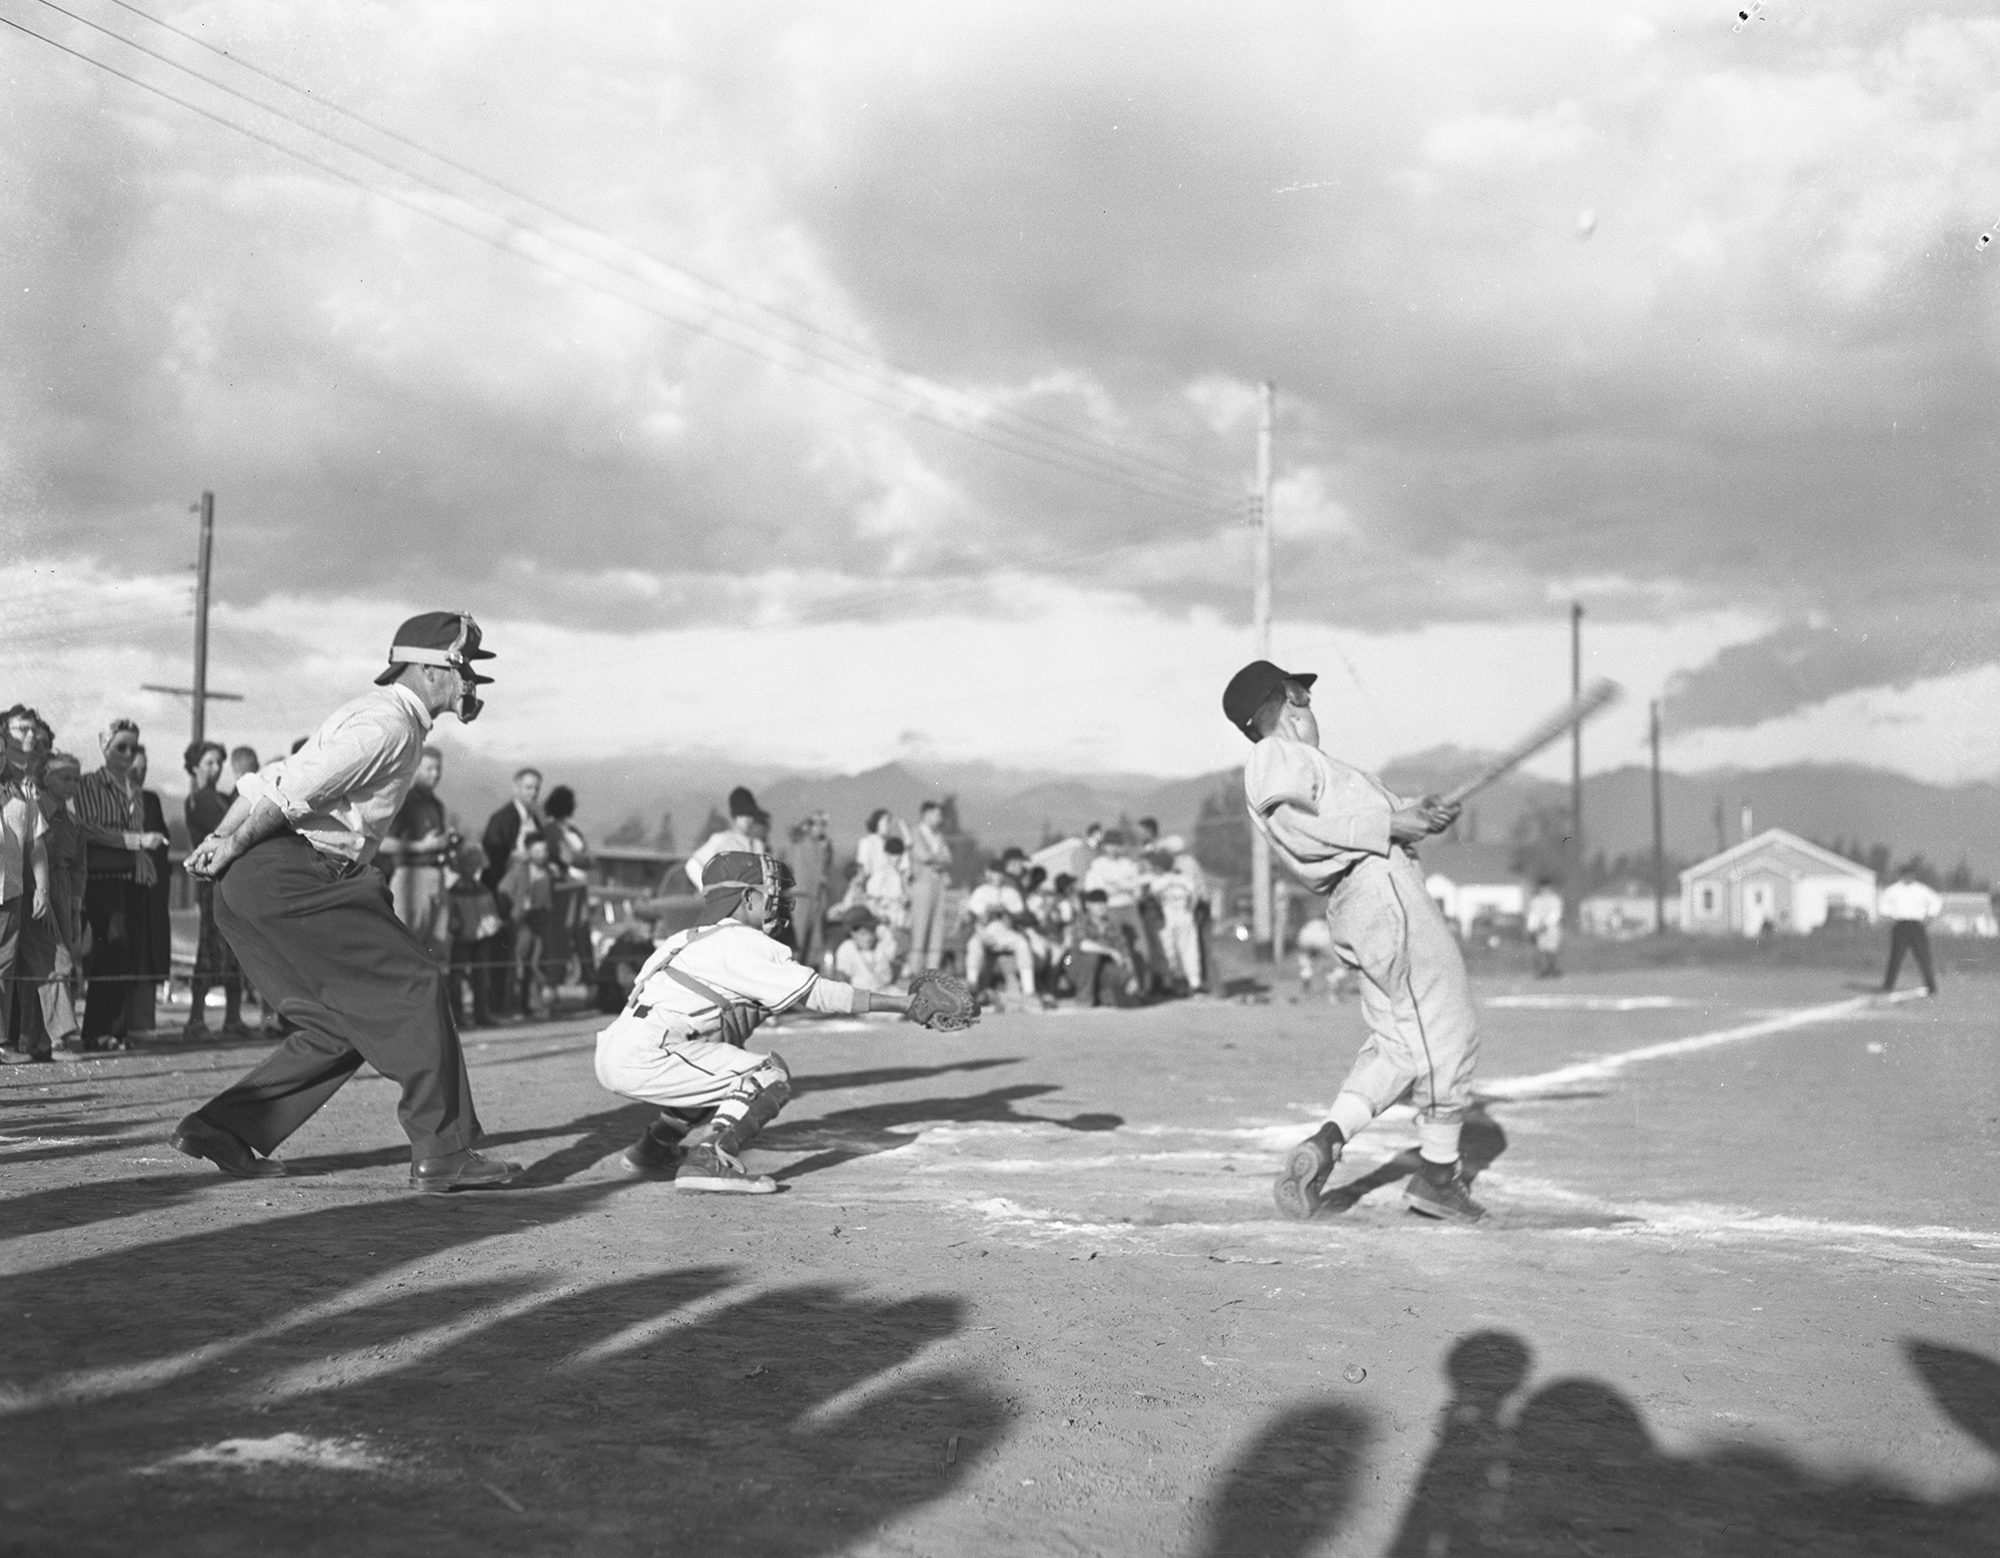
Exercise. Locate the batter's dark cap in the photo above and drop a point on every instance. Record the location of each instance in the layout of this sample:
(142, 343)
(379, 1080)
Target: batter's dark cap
(437, 638)
(1251, 688)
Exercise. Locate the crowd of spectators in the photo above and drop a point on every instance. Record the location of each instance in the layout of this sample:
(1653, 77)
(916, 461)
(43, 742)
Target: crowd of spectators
(85, 893)
(85, 890)
(1103, 918)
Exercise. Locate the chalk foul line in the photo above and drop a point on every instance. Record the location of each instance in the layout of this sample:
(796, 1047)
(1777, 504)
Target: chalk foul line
(1610, 1065)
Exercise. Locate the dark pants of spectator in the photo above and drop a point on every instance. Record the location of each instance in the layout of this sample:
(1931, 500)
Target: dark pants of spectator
(27, 954)
(470, 974)
(1152, 927)
(113, 905)
(530, 943)
(1099, 980)
(324, 944)
(1909, 936)
(1132, 924)
(214, 964)
(569, 930)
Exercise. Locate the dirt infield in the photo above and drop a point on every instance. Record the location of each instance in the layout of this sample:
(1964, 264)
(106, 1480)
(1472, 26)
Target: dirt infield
(1026, 1293)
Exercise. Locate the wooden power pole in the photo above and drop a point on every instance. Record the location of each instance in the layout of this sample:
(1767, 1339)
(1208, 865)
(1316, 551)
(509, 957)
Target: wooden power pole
(199, 693)
(1261, 918)
(1574, 897)
(1659, 835)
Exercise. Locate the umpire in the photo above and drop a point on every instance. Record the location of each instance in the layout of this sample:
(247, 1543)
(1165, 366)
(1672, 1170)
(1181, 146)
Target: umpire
(317, 935)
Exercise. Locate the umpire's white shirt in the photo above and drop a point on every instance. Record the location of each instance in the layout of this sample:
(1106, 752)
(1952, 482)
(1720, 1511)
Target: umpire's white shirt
(343, 788)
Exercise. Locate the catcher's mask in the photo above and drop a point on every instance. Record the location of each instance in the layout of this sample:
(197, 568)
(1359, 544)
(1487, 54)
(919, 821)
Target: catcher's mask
(449, 639)
(728, 877)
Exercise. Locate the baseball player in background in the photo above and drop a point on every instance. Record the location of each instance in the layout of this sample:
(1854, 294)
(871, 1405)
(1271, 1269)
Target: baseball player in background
(1349, 839)
(1544, 925)
(681, 1043)
(1907, 904)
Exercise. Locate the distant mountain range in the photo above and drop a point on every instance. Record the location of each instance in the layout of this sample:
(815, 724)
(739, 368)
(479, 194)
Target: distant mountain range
(1005, 806)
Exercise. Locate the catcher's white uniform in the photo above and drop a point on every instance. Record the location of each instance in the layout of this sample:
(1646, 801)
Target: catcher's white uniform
(668, 1046)
(1330, 823)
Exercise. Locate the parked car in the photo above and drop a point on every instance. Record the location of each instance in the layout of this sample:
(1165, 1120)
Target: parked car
(638, 898)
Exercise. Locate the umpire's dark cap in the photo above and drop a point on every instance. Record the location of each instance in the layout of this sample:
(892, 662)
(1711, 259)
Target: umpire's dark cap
(1251, 688)
(437, 638)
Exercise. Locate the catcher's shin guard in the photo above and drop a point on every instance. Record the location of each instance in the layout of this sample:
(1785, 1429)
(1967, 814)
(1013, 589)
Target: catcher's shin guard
(751, 1105)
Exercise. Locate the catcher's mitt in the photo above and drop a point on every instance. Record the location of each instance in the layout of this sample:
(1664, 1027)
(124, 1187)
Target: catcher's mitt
(942, 1001)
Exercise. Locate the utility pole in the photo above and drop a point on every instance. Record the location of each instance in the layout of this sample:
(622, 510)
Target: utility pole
(201, 614)
(1574, 897)
(199, 693)
(1262, 920)
(1659, 835)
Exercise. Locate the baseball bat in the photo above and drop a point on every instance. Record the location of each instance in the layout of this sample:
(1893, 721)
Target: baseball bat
(1594, 700)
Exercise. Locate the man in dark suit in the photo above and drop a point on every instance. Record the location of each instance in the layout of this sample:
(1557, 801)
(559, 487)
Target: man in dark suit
(505, 827)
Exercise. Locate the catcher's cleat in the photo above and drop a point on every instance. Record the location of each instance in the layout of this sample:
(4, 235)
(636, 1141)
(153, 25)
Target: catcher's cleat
(708, 1167)
(648, 1156)
(1448, 1202)
(1297, 1189)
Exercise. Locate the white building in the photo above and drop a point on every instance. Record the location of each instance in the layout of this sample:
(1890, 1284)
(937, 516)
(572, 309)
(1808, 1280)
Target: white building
(1967, 914)
(1776, 879)
(1468, 880)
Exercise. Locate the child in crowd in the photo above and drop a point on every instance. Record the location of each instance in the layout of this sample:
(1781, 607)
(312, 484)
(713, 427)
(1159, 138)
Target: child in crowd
(865, 959)
(1101, 966)
(529, 891)
(473, 919)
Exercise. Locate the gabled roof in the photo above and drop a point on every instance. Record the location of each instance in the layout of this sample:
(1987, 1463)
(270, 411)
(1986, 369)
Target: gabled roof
(1772, 838)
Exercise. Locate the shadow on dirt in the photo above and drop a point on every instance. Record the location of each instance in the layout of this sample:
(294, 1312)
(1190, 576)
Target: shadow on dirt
(827, 1082)
(846, 1134)
(671, 1411)
(1572, 1467)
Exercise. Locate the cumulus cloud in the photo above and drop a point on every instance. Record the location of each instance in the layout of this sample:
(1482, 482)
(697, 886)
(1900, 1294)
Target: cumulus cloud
(1761, 392)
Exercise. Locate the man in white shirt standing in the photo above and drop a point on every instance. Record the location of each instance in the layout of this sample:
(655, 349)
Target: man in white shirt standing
(315, 931)
(747, 834)
(1907, 904)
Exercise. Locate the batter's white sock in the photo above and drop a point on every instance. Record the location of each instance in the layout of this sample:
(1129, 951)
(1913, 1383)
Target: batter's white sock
(1352, 1112)
(1437, 1140)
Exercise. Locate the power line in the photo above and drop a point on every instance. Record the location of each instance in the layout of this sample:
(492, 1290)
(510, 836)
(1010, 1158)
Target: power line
(1092, 459)
(1146, 463)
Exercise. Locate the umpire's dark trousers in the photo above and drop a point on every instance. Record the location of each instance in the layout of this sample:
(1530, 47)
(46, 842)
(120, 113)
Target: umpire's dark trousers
(322, 943)
(1909, 936)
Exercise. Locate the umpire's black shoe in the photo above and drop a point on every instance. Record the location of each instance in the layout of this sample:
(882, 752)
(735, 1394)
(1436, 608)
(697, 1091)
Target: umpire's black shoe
(228, 1152)
(463, 1170)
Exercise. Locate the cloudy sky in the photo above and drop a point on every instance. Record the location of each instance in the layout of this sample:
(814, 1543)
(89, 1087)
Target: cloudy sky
(827, 384)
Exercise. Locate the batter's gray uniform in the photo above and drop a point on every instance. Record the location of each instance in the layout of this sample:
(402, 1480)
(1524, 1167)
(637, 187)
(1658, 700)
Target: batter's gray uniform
(1330, 823)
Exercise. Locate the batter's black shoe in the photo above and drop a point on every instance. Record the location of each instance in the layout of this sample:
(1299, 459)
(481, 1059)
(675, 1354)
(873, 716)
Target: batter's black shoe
(1297, 1189)
(1449, 1201)
(228, 1152)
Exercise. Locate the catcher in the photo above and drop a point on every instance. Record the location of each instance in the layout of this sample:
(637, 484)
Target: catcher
(680, 1042)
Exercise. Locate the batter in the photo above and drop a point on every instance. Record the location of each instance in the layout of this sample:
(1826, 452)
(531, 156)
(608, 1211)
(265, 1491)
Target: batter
(1348, 837)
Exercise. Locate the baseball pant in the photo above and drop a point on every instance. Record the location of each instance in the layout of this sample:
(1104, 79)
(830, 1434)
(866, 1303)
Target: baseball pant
(633, 1060)
(321, 942)
(994, 938)
(927, 927)
(1183, 941)
(1910, 936)
(1415, 998)
(421, 904)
